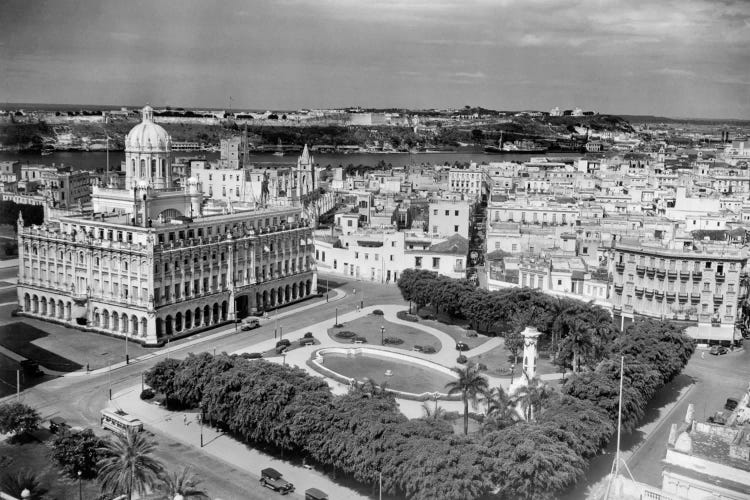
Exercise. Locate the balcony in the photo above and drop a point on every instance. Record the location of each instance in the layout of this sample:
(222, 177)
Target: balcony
(638, 291)
(720, 277)
(661, 273)
(704, 318)
(649, 293)
(618, 289)
(695, 298)
(697, 275)
(683, 296)
(641, 270)
(671, 296)
(672, 274)
(650, 271)
(718, 298)
(658, 294)
(620, 267)
(685, 275)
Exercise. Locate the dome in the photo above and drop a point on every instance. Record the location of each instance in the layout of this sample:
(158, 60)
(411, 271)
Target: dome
(147, 136)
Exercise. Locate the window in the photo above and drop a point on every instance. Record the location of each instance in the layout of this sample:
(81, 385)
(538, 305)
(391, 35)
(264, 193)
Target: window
(706, 287)
(349, 223)
(447, 212)
(559, 282)
(455, 229)
(514, 247)
(434, 229)
(729, 310)
(335, 264)
(367, 255)
(391, 258)
(434, 212)
(456, 213)
(732, 266)
(708, 265)
(356, 255)
(417, 261)
(377, 257)
(435, 262)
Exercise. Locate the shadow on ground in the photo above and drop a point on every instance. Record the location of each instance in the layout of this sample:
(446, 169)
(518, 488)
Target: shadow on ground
(18, 337)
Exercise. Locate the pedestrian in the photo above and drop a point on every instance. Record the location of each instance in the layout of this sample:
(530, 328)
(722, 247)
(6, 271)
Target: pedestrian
(184, 418)
(703, 355)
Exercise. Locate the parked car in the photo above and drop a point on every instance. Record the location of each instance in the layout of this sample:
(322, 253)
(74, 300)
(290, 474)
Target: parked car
(31, 368)
(731, 404)
(306, 341)
(462, 346)
(418, 348)
(249, 324)
(315, 494)
(273, 480)
(718, 350)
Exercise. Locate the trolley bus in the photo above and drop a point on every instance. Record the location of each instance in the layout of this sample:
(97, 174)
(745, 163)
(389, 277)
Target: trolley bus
(120, 422)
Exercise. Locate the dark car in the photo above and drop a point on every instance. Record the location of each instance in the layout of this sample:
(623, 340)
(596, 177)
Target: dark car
(315, 494)
(731, 404)
(462, 346)
(271, 479)
(31, 368)
(718, 350)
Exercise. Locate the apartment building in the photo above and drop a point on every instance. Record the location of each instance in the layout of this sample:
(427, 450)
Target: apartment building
(695, 282)
(447, 217)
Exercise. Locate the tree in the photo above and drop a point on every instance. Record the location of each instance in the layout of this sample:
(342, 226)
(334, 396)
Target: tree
(578, 343)
(18, 419)
(530, 464)
(499, 411)
(127, 465)
(161, 377)
(470, 384)
(531, 396)
(77, 452)
(184, 483)
(14, 484)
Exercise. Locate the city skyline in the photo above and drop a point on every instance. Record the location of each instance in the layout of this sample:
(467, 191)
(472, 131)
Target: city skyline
(676, 59)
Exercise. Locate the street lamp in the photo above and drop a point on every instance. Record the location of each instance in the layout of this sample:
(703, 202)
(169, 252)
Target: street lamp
(327, 290)
(382, 338)
(80, 487)
(127, 356)
(512, 370)
(337, 317)
(201, 407)
(283, 358)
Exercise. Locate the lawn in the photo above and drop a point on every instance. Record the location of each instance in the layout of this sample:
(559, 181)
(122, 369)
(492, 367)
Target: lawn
(59, 348)
(33, 456)
(499, 360)
(458, 333)
(369, 328)
(405, 376)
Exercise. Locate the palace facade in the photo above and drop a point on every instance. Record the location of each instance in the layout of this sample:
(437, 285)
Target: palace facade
(148, 264)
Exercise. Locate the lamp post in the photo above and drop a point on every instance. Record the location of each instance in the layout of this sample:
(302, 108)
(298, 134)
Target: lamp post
(382, 333)
(201, 407)
(283, 359)
(109, 379)
(127, 357)
(337, 317)
(327, 290)
(80, 487)
(512, 370)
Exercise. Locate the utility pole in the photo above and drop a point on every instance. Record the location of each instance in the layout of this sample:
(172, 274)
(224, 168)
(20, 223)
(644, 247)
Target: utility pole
(18, 385)
(109, 379)
(127, 357)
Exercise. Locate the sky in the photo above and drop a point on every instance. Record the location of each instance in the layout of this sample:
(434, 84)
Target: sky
(677, 58)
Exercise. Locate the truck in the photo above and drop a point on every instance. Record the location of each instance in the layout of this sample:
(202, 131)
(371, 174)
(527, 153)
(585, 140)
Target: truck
(273, 480)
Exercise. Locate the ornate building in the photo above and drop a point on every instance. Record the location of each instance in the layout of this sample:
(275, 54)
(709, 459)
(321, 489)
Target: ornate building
(148, 263)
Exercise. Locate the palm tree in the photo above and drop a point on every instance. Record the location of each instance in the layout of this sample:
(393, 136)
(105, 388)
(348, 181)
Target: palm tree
(14, 484)
(183, 483)
(127, 464)
(470, 384)
(579, 341)
(531, 396)
(433, 413)
(499, 412)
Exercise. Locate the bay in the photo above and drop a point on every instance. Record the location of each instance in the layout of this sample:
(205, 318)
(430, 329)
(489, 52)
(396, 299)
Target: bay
(92, 160)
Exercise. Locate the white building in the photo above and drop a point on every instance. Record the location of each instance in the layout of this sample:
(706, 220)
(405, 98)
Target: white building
(149, 264)
(449, 217)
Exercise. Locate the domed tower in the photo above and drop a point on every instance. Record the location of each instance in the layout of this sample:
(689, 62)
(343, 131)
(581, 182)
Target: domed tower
(148, 154)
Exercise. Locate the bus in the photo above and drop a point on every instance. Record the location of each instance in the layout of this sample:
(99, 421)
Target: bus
(120, 422)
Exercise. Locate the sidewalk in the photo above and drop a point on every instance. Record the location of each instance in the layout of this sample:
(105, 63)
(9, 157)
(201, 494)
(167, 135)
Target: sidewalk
(184, 427)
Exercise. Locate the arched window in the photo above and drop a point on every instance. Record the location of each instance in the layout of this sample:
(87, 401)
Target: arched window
(132, 164)
(153, 168)
(35, 250)
(143, 168)
(163, 167)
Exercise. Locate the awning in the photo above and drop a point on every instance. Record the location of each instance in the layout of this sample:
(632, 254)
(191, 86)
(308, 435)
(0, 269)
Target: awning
(707, 333)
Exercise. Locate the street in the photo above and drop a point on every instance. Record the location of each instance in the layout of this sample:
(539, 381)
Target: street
(80, 398)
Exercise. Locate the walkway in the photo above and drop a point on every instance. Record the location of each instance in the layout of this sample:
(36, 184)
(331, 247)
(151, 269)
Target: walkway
(184, 427)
